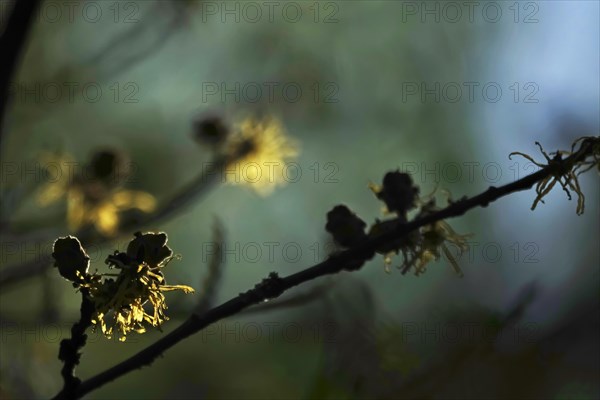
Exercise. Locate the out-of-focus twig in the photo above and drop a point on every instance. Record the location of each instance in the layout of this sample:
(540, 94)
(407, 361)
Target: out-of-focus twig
(215, 270)
(12, 41)
(122, 50)
(49, 311)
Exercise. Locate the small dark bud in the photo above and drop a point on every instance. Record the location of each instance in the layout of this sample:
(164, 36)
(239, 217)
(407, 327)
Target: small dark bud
(70, 258)
(398, 192)
(109, 165)
(346, 227)
(150, 248)
(211, 130)
(271, 286)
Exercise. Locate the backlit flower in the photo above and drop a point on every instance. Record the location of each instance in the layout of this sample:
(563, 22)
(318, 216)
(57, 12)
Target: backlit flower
(564, 171)
(130, 300)
(421, 246)
(346, 227)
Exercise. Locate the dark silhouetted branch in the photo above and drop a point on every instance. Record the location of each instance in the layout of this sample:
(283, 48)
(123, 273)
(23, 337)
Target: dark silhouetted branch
(273, 286)
(297, 300)
(69, 348)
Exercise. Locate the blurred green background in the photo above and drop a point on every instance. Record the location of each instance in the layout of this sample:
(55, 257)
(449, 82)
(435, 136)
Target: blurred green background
(367, 334)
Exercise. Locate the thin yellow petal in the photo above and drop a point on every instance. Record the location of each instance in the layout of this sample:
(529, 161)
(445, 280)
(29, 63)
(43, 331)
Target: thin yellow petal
(169, 288)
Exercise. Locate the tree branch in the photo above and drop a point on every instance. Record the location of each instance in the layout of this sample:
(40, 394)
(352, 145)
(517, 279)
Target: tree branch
(12, 41)
(69, 348)
(298, 300)
(273, 286)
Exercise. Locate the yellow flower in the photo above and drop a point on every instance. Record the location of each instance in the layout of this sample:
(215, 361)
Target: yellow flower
(419, 247)
(121, 304)
(565, 172)
(435, 237)
(95, 198)
(263, 167)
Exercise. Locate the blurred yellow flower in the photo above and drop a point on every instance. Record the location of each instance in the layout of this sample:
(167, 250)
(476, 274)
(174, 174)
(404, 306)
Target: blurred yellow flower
(57, 167)
(103, 214)
(264, 166)
(91, 199)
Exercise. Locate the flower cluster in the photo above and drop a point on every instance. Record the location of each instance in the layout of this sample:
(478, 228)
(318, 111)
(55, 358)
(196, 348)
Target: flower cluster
(564, 171)
(419, 247)
(94, 194)
(130, 299)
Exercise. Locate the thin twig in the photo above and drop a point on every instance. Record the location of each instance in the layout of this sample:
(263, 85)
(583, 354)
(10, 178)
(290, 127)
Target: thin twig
(121, 45)
(273, 286)
(49, 312)
(12, 41)
(215, 270)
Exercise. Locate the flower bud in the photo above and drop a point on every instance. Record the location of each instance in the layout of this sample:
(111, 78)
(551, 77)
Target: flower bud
(211, 130)
(398, 192)
(346, 227)
(150, 248)
(110, 166)
(70, 258)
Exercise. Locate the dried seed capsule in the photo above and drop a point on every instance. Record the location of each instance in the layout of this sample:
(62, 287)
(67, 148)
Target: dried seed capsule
(211, 130)
(70, 258)
(346, 227)
(398, 192)
(110, 166)
(150, 248)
